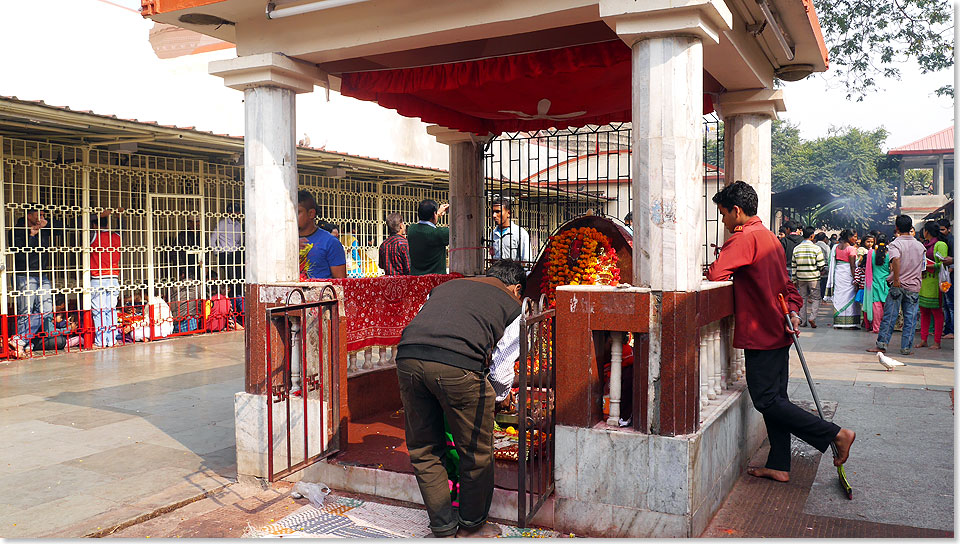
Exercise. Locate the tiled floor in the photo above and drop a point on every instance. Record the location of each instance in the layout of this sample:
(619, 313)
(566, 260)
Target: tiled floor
(97, 438)
(840, 354)
(901, 465)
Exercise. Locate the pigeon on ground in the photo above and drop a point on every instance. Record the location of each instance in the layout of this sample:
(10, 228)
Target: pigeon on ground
(888, 362)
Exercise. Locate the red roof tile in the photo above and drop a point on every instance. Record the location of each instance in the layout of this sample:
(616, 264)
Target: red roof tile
(941, 142)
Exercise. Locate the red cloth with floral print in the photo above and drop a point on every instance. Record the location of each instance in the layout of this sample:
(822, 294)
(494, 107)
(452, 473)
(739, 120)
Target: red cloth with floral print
(378, 309)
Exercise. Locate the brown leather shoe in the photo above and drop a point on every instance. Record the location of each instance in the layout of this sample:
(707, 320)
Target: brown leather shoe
(813, 324)
(487, 530)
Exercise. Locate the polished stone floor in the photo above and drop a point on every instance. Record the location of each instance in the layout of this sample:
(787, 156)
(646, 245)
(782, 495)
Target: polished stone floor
(97, 438)
(901, 466)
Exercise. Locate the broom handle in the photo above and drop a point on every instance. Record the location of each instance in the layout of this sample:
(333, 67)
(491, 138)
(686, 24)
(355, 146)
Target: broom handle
(803, 363)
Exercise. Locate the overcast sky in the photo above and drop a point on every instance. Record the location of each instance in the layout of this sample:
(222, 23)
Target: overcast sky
(89, 54)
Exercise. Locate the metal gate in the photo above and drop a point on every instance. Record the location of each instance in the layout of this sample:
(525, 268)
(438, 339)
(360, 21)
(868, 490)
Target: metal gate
(536, 409)
(177, 244)
(305, 384)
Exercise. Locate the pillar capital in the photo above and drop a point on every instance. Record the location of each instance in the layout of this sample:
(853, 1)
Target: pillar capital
(766, 102)
(448, 136)
(270, 70)
(634, 21)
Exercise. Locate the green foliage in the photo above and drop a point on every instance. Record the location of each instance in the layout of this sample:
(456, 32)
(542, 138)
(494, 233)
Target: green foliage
(849, 163)
(873, 38)
(713, 147)
(918, 182)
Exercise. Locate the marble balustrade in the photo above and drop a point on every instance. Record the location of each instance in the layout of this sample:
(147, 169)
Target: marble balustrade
(721, 365)
(372, 358)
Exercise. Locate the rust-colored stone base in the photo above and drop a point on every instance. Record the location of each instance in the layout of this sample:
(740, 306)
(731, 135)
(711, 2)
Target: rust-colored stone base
(373, 393)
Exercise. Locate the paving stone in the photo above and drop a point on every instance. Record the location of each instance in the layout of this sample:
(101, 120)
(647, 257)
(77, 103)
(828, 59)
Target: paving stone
(46, 519)
(48, 483)
(901, 466)
(134, 459)
(89, 418)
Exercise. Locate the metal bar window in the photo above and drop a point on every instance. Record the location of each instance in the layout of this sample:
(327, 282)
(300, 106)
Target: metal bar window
(713, 180)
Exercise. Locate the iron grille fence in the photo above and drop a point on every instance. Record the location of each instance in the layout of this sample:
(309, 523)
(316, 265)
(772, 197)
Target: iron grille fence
(712, 182)
(552, 176)
(173, 240)
(359, 209)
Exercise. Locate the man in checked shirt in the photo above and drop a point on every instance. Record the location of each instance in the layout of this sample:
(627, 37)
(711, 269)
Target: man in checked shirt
(394, 251)
(455, 359)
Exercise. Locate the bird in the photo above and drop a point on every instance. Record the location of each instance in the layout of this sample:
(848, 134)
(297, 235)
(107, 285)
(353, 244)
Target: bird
(888, 362)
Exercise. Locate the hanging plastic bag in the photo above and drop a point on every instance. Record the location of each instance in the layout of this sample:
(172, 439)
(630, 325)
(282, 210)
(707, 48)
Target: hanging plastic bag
(315, 492)
(945, 278)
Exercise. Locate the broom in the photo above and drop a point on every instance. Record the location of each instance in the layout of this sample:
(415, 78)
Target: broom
(844, 483)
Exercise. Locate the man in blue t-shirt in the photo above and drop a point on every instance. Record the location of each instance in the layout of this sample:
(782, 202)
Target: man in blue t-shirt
(321, 255)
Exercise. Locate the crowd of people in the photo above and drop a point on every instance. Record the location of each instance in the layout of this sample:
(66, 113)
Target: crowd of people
(47, 322)
(44, 321)
(409, 250)
(876, 283)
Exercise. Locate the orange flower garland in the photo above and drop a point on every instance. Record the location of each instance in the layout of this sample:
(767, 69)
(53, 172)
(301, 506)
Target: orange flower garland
(581, 256)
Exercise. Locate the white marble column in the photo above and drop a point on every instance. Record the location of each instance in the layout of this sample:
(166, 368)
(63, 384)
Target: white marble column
(467, 213)
(938, 176)
(666, 39)
(704, 367)
(747, 123)
(667, 162)
(270, 83)
(616, 361)
(270, 181)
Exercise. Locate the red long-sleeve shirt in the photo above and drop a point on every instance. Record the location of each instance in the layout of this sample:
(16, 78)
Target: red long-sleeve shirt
(754, 257)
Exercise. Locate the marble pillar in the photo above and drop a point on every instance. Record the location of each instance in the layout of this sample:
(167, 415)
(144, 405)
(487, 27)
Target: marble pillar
(667, 162)
(270, 181)
(270, 83)
(938, 176)
(747, 124)
(666, 40)
(467, 214)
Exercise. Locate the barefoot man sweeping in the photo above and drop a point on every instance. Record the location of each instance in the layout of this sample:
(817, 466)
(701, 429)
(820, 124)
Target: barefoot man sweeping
(754, 258)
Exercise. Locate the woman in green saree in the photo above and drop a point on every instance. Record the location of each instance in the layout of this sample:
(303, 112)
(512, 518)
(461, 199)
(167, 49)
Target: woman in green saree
(875, 286)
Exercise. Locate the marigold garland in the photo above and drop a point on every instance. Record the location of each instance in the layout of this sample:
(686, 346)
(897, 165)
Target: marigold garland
(580, 256)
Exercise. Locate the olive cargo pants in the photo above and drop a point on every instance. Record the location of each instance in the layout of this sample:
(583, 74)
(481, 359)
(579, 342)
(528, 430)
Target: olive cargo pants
(429, 391)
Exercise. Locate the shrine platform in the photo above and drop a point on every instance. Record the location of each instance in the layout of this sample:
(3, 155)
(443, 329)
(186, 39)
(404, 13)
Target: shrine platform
(375, 459)
(692, 432)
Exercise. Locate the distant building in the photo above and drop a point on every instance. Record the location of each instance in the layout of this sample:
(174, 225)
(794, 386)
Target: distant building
(931, 152)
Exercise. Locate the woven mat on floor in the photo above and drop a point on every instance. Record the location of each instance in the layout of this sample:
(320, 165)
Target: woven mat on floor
(343, 517)
(335, 520)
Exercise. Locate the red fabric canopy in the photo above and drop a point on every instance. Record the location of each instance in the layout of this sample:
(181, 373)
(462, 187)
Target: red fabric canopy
(572, 86)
